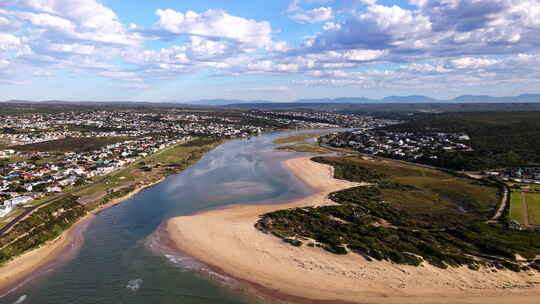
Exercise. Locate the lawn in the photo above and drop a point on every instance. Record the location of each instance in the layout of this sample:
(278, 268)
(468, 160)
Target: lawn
(516, 207)
(533, 201)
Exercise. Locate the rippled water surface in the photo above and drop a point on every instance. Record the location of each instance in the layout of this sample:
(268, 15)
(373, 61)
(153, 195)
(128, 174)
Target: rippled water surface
(120, 260)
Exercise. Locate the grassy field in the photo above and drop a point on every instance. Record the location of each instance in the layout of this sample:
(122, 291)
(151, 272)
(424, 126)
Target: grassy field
(434, 193)
(84, 144)
(516, 207)
(298, 138)
(304, 148)
(533, 201)
(300, 143)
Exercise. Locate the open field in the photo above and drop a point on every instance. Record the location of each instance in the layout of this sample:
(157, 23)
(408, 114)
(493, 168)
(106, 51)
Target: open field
(305, 148)
(301, 143)
(516, 207)
(533, 201)
(433, 193)
(81, 144)
(299, 138)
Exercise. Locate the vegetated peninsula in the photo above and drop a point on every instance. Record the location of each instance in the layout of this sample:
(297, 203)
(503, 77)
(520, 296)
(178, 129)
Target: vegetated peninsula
(409, 215)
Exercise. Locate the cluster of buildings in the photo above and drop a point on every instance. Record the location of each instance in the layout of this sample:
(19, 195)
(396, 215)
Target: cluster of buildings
(400, 145)
(34, 128)
(321, 120)
(21, 129)
(29, 176)
(518, 175)
(24, 181)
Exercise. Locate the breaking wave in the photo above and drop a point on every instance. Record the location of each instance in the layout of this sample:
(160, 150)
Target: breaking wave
(134, 285)
(159, 243)
(21, 299)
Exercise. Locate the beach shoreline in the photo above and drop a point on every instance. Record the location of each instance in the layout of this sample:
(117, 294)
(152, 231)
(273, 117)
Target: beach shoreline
(25, 267)
(227, 241)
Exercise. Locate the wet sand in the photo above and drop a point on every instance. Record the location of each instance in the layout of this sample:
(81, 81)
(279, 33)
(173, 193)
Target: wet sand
(227, 241)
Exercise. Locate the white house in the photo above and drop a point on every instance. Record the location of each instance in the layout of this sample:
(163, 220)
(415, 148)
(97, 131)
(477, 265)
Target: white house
(54, 188)
(19, 200)
(5, 210)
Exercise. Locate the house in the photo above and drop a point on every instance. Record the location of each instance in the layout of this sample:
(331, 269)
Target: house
(54, 188)
(5, 210)
(19, 200)
(68, 181)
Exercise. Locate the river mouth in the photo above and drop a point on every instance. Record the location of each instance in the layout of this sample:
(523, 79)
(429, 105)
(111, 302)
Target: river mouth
(115, 262)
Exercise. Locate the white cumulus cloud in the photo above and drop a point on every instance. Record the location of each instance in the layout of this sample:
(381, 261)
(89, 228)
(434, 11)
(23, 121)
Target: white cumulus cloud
(315, 15)
(217, 24)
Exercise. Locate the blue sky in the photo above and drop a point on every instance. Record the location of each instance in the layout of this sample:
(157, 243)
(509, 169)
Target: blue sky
(170, 50)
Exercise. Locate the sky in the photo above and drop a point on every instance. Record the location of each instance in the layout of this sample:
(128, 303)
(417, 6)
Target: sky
(280, 50)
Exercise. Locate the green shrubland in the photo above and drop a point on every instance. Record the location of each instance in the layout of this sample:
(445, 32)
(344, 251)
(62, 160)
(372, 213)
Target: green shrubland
(384, 222)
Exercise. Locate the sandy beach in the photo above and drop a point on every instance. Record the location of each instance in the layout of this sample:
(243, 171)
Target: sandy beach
(19, 270)
(227, 240)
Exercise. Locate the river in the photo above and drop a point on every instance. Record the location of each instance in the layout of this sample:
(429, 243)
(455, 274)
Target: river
(120, 260)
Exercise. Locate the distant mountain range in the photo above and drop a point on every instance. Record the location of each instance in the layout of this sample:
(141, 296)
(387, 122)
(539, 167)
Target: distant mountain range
(523, 98)
(388, 99)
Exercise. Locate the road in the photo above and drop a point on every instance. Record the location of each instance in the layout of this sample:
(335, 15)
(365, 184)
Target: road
(502, 206)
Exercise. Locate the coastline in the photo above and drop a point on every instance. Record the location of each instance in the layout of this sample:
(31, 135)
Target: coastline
(227, 241)
(19, 270)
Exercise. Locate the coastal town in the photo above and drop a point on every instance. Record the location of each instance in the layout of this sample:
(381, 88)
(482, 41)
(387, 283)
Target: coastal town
(36, 175)
(44, 155)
